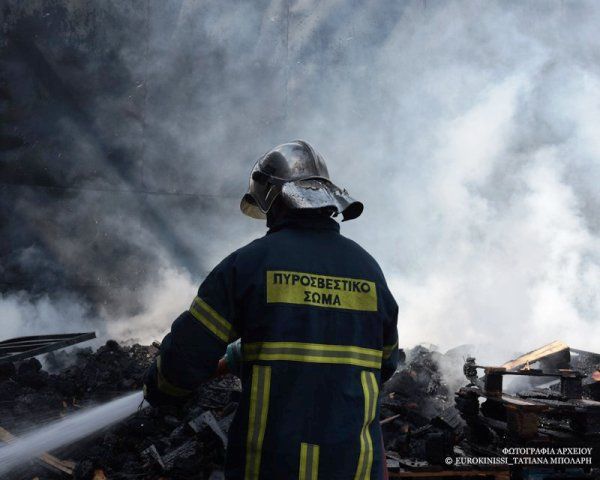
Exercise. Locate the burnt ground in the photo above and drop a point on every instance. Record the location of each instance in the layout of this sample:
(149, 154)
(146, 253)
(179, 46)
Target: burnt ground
(184, 442)
(421, 425)
(30, 396)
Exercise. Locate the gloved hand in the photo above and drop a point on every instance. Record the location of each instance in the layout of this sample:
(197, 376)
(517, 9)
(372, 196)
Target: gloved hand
(153, 395)
(233, 358)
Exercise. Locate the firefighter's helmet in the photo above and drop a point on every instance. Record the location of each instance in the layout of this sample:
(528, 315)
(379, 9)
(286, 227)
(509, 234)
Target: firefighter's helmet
(296, 172)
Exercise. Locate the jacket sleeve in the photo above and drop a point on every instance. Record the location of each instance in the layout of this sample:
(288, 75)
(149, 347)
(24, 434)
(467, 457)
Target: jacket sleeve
(391, 355)
(190, 353)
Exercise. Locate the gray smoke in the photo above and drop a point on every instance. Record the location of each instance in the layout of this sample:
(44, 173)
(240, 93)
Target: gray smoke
(469, 129)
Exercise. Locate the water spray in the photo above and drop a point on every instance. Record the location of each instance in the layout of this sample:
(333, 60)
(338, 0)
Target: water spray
(68, 430)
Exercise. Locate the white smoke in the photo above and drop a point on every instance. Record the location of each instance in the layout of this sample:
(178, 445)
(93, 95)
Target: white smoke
(479, 174)
(22, 315)
(468, 129)
(164, 299)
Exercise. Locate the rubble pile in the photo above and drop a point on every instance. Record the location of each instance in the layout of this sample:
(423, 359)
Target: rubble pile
(190, 441)
(552, 404)
(30, 395)
(184, 442)
(419, 422)
(427, 412)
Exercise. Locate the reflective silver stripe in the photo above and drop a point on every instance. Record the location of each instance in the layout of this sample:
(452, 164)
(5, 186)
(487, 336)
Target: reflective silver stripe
(309, 462)
(365, 459)
(257, 419)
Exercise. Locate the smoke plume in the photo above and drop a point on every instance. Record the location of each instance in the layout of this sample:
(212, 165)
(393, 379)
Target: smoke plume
(469, 130)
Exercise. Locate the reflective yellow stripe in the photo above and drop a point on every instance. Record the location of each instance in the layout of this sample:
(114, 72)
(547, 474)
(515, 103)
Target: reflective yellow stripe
(206, 315)
(327, 291)
(365, 459)
(389, 349)
(309, 462)
(167, 387)
(257, 419)
(312, 353)
(315, 463)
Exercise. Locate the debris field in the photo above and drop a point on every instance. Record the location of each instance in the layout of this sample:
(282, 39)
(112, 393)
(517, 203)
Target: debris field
(426, 415)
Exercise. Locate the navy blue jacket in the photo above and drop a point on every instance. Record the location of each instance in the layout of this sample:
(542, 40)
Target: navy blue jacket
(318, 329)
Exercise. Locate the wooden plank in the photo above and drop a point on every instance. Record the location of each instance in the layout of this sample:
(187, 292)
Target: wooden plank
(586, 402)
(535, 355)
(503, 426)
(520, 402)
(512, 400)
(45, 459)
(389, 419)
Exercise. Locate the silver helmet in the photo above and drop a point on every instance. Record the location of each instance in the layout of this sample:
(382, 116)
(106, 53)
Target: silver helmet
(296, 172)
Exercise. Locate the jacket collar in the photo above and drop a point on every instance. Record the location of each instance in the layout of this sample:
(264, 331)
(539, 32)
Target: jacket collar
(300, 220)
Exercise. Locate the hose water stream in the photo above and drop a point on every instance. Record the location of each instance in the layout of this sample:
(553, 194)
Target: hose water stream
(67, 430)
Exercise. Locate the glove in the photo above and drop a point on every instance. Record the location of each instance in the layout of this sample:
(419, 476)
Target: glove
(153, 395)
(233, 358)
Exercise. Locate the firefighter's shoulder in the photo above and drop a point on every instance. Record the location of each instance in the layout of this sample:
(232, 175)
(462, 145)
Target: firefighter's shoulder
(247, 252)
(373, 266)
(359, 252)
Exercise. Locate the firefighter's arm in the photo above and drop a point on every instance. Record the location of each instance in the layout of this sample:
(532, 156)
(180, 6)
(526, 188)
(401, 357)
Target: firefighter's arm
(390, 339)
(190, 353)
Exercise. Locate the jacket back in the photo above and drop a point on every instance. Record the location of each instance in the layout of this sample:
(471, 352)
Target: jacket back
(318, 330)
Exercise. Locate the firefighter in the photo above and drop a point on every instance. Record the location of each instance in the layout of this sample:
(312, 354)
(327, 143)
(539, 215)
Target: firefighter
(317, 325)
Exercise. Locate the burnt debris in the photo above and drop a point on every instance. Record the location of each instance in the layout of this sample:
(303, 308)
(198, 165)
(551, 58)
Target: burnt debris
(427, 412)
(186, 442)
(555, 407)
(20, 348)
